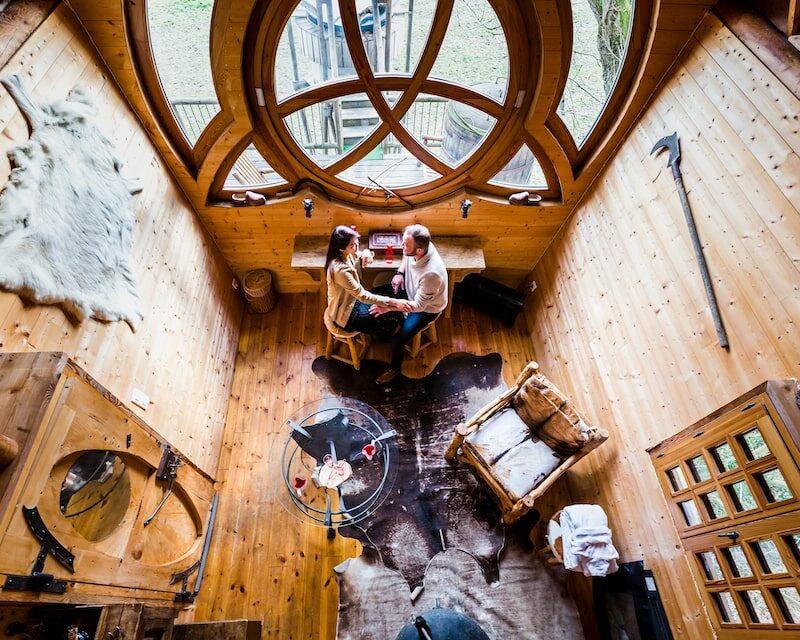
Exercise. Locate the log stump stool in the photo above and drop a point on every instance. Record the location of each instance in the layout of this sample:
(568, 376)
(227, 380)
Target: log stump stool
(423, 339)
(345, 346)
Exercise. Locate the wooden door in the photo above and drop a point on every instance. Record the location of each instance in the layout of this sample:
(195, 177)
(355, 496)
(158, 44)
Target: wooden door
(732, 484)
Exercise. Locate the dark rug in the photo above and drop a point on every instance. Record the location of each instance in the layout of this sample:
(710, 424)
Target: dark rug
(433, 505)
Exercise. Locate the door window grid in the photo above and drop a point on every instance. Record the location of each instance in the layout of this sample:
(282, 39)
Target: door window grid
(752, 581)
(717, 490)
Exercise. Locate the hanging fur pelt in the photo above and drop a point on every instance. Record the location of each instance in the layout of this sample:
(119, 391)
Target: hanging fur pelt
(66, 214)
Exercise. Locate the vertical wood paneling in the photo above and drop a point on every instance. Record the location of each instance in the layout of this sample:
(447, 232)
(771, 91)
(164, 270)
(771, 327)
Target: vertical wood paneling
(620, 318)
(182, 357)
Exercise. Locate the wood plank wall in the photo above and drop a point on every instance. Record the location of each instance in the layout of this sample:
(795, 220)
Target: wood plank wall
(620, 318)
(183, 355)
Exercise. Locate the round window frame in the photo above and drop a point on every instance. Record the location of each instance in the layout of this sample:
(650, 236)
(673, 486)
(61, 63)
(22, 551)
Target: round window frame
(265, 30)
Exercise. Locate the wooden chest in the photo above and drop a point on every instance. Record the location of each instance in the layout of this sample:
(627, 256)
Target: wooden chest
(88, 466)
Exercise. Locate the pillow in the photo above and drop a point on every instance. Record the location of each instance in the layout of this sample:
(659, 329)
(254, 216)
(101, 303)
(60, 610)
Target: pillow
(564, 433)
(525, 467)
(499, 434)
(537, 400)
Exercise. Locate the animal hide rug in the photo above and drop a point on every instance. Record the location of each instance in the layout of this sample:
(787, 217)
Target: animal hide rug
(433, 505)
(528, 602)
(66, 214)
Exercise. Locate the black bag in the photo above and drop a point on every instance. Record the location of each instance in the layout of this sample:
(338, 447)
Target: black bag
(490, 297)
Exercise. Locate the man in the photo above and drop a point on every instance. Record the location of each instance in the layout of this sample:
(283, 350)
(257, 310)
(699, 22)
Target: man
(422, 280)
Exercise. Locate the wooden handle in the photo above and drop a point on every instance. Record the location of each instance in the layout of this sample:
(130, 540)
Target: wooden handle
(8, 450)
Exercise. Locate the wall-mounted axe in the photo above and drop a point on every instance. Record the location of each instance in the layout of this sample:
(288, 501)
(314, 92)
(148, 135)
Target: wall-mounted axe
(671, 142)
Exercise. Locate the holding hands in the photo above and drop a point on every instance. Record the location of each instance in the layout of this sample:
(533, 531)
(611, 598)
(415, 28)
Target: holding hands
(395, 304)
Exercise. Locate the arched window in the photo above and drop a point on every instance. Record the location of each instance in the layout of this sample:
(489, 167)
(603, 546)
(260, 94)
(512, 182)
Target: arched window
(179, 32)
(601, 32)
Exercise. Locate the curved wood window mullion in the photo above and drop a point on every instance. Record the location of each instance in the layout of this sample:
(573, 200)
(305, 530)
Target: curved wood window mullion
(360, 150)
(138, 34)
(384, 111)
(214, 129)
(352, 35)
(450, 91)
(433, 44)
(320, 93)
(561, 133)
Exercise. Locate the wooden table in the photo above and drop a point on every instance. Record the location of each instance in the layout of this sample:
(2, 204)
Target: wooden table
(462, 255)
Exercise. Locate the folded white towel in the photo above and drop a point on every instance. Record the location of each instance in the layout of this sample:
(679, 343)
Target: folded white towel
(587, 540)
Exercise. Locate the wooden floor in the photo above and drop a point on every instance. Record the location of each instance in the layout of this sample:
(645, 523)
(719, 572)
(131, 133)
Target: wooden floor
(264, 563)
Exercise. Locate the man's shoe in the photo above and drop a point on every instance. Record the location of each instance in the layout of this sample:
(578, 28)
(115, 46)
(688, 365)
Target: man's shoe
(387, 376)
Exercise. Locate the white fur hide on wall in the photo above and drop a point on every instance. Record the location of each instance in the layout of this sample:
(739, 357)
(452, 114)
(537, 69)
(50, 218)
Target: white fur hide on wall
(66, 214)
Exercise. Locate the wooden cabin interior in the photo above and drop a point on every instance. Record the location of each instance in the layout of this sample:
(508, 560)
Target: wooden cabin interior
(233, 117)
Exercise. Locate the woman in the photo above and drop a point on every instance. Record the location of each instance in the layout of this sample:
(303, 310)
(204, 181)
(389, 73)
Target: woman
(348, 301)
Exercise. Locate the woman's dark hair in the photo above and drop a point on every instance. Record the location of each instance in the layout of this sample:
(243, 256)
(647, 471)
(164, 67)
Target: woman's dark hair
(340, 238)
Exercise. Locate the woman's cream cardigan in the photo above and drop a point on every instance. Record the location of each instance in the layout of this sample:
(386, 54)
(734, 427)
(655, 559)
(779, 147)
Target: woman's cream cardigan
(344, 288)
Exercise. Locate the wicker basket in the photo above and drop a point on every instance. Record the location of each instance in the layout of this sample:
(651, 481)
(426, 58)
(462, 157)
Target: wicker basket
(258, 291)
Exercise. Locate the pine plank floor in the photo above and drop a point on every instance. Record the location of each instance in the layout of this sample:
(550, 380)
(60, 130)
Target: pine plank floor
(265, 563)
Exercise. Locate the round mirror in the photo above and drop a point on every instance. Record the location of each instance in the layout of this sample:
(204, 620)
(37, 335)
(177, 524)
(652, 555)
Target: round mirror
(95, 494)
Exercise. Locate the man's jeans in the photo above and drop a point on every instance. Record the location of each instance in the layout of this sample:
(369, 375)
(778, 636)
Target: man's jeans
(412, 325)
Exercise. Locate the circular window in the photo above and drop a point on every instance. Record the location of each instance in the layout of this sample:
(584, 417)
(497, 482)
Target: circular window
(95, 494)
(391, 99)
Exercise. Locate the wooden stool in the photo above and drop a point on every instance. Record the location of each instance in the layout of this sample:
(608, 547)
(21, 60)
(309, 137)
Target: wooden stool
(352, 344)
(423, 339)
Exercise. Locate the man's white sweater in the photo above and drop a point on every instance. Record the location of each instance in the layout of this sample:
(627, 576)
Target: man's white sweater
(426, 281)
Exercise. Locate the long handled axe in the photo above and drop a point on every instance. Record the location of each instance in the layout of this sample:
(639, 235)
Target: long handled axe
(671, 142)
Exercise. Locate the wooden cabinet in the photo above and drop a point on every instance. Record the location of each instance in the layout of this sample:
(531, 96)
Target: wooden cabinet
(89, 468)
(732, 483)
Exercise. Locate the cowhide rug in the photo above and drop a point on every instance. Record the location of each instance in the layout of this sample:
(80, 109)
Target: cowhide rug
(529, 602)
(66, 215)
(434, 505)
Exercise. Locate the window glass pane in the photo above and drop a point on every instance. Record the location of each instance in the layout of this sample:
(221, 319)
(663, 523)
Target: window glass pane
(723, 456)
(710, 565)
(690, 512)
(523, 171)
(753, 444)
(474, 52)
(252, 170)
(774, 485)
(400, 36)
(741, 496)
(390, 165)
(699, 469)
(793, 542)
(740, 568)
(677, 479)
(600, 33)
(769, 556)
(327, 130)
(425, 120)
(756, 606)
(714, 505)
(788, 600)
(310, 52)
(180, 37)
(450, 130)
(727, 607)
